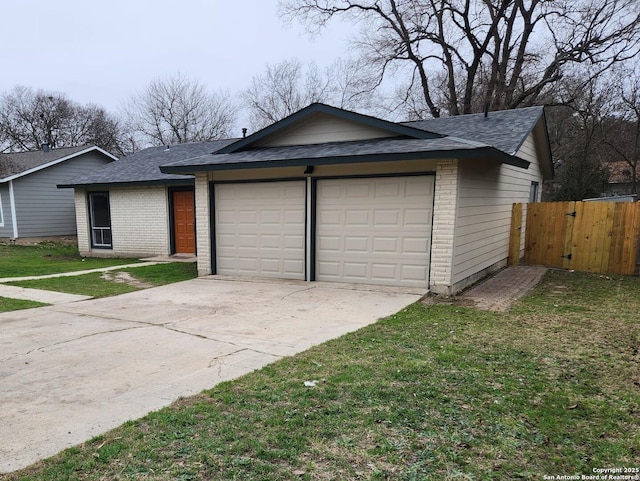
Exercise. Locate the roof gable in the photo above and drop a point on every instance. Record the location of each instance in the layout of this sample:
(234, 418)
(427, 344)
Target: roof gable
(321, 123)
(20, 164)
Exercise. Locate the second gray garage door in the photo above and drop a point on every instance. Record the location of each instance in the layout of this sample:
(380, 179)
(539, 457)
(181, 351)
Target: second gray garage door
(374, 230)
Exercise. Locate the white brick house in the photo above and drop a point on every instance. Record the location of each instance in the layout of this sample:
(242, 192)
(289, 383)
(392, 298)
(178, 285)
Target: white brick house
(331, 195)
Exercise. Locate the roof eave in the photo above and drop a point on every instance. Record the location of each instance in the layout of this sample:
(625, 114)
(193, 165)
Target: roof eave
(135, 183)
(481, 152)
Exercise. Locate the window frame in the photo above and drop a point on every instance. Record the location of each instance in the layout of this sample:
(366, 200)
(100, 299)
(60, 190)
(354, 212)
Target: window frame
(534, 191)
(93, 229)
(1, 212)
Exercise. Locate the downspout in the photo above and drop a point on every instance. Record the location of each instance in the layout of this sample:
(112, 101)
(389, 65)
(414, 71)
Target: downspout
(12, 204)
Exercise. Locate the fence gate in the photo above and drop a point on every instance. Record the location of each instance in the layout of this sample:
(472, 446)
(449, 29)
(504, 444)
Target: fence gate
(586, 236)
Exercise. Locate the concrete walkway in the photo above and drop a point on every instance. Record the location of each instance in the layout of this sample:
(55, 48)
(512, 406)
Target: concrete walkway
(39, 295)
(79, 273)
(51, 297)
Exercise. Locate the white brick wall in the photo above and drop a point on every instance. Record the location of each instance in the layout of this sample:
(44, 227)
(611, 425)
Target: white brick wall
(140, 221)
(203, 227)
(444, 223)
(82, 222)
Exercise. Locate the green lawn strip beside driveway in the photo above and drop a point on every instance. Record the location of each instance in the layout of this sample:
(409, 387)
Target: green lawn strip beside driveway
(432, 392)
(8, 304)
(99, 284)
(49, 258)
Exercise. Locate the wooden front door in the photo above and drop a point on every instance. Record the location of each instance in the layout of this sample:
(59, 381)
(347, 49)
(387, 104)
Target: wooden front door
(184, 222)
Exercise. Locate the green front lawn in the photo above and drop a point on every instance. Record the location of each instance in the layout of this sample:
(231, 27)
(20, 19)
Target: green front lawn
(95, 284)
(48, 258)
(440, 392)
(7, 304)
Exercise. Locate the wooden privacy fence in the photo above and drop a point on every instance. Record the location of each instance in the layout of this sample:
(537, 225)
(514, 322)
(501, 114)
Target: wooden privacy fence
(598, 237)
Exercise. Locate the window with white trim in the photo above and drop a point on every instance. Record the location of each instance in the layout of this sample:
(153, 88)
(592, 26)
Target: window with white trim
(1, 213)
(100, 218)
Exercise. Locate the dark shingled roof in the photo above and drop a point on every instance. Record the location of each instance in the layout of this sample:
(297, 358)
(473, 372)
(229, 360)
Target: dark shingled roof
(143, 166)
(506, 130)
(361, 150)
(17, 163)
(499, 135)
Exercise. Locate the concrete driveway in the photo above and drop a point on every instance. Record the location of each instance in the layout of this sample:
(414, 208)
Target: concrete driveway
(72, 371)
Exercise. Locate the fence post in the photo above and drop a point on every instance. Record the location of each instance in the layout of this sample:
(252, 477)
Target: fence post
(515, 235)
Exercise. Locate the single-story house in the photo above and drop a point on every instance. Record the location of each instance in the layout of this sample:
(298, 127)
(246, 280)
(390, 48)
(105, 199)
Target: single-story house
(30, 203)
(331, 195)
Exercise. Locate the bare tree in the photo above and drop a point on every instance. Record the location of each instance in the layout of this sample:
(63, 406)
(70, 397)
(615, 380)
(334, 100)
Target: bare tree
(578, 139)
(29, 119)
(177, 110)
(623, 128)
(283, 89)
(289, 86)
(462, 54)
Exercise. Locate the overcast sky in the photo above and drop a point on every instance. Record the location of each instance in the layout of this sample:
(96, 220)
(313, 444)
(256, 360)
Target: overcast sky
(103, 52)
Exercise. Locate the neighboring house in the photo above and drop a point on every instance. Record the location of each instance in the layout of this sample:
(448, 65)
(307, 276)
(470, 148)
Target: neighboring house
(130, 208)
(330, 195)
(621, 179)
(30, 203)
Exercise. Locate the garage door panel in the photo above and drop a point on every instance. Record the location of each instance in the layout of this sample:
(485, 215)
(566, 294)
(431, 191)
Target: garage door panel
(384, 272)
(416, 217)
(374, 230)
(414, 272)
(387, 217)
(330, 217)
(293, 241)
(270, 241)
(271, 217)
(260, 229)
(293, 267)
(247, 241)
(357, 191)
(385, 245)
(243, 217)
(356, 245)
(388, 189)
(329, 270)
(294, 218)
(270, 265)
(413, 245)
(355, 217)
(355, 270)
